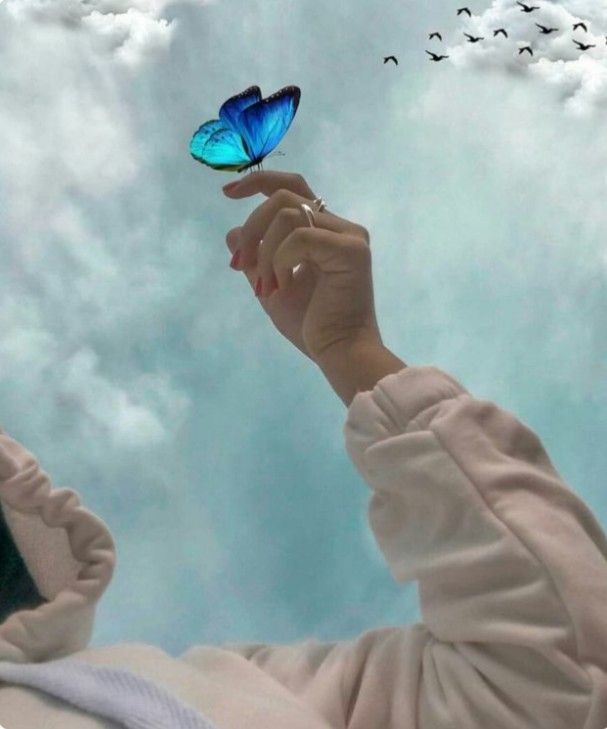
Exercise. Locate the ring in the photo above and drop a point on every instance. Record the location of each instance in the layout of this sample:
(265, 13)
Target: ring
(309, 214)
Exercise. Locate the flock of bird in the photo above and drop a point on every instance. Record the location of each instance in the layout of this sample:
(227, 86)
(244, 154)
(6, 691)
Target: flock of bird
(475, 39)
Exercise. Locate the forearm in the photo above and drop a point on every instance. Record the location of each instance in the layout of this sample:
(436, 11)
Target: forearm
(358, 367)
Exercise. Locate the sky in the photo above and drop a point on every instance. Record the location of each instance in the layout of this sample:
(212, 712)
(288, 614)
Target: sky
(142, 372)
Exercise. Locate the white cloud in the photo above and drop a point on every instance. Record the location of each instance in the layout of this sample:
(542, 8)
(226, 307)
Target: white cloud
(130, 30)
(131, 36)
(579, 78)
(119, 412)
(72, 149)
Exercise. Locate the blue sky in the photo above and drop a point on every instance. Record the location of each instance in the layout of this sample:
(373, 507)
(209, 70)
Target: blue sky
(142, 371)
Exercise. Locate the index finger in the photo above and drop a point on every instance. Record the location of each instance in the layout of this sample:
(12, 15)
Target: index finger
(268, 181)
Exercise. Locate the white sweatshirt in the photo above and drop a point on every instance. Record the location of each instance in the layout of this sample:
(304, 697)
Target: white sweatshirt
(511, 568)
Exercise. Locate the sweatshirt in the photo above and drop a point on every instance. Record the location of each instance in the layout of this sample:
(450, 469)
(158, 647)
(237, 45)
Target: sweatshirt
(510, 565)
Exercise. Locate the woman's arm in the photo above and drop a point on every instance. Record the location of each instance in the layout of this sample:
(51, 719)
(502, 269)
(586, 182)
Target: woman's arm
(511, 567)
(357, 366)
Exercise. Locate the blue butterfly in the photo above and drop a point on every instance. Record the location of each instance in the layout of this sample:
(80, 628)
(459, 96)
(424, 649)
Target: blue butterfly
(247, 130)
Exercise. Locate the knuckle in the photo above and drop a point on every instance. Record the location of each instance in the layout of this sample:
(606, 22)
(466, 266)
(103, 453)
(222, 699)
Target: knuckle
(246, 240)
(361, 249)
(302, 232)
(363, 233)
(232, 235)
(282, 197)
(285, 215)
(362, 245)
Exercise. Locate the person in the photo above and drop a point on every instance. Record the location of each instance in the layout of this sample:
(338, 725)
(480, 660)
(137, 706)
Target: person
(511, 565)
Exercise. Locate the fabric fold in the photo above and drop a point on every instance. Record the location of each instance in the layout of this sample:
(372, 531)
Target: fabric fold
(510, 564)
(66, 558)
(113, 693)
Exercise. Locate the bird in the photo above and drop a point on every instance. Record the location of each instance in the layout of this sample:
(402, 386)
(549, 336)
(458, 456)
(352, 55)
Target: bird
(435, 57)
(464, 10)
(580, 25)
(391, 58)
(544, 30)
(438, 35)
(525, 48)
(527, 8)
(472, 39)
(500, 30)
(583, 46)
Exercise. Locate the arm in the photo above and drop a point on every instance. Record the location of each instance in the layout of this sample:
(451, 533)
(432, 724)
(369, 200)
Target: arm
(357, 367)
(511, 568)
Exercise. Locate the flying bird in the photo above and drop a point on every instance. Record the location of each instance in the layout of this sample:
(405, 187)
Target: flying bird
(435, 57)
(583, 46)
(544, 30)
(472, 39)
(438, 35)
(464, 10)
(527, 8)
(391, 58)
(500, 30)
(580, 25)
(525, 48)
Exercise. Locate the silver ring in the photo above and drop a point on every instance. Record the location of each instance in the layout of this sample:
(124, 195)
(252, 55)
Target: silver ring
(321, 204)
(309, 214)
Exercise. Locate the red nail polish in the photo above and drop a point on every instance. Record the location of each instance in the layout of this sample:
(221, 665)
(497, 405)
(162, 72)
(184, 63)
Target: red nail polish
(258, 287)
(235, 259)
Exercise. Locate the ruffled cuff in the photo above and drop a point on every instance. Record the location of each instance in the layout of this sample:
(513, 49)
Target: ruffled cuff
(57, 559)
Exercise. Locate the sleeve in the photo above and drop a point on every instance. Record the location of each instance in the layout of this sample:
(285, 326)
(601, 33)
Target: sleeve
(511, 569)
(56, 560)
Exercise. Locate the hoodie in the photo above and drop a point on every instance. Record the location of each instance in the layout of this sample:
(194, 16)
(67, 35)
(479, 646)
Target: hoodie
(510, 564)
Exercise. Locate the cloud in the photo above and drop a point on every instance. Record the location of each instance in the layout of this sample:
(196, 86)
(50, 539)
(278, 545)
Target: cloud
(73, 153)
(579, 78)
(131, 31)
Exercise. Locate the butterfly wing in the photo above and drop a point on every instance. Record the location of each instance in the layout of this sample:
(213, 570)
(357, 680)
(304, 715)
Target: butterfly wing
(231, 109)
(247, 130)
(201, 137)
(218, 147)
(264, 123)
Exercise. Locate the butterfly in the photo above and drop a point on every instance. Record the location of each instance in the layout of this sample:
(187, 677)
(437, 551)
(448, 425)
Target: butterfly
(247, 130)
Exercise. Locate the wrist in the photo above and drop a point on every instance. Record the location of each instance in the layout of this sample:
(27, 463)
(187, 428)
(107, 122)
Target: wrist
(358, 366)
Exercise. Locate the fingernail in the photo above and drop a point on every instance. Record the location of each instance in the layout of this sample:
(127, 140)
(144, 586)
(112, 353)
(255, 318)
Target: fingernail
(258, 287)
(235, 258)
(230, 186)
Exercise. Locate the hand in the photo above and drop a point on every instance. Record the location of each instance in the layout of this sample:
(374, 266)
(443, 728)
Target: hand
(328, 301)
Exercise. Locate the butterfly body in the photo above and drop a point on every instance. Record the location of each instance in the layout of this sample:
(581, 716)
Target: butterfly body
(247, 130)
